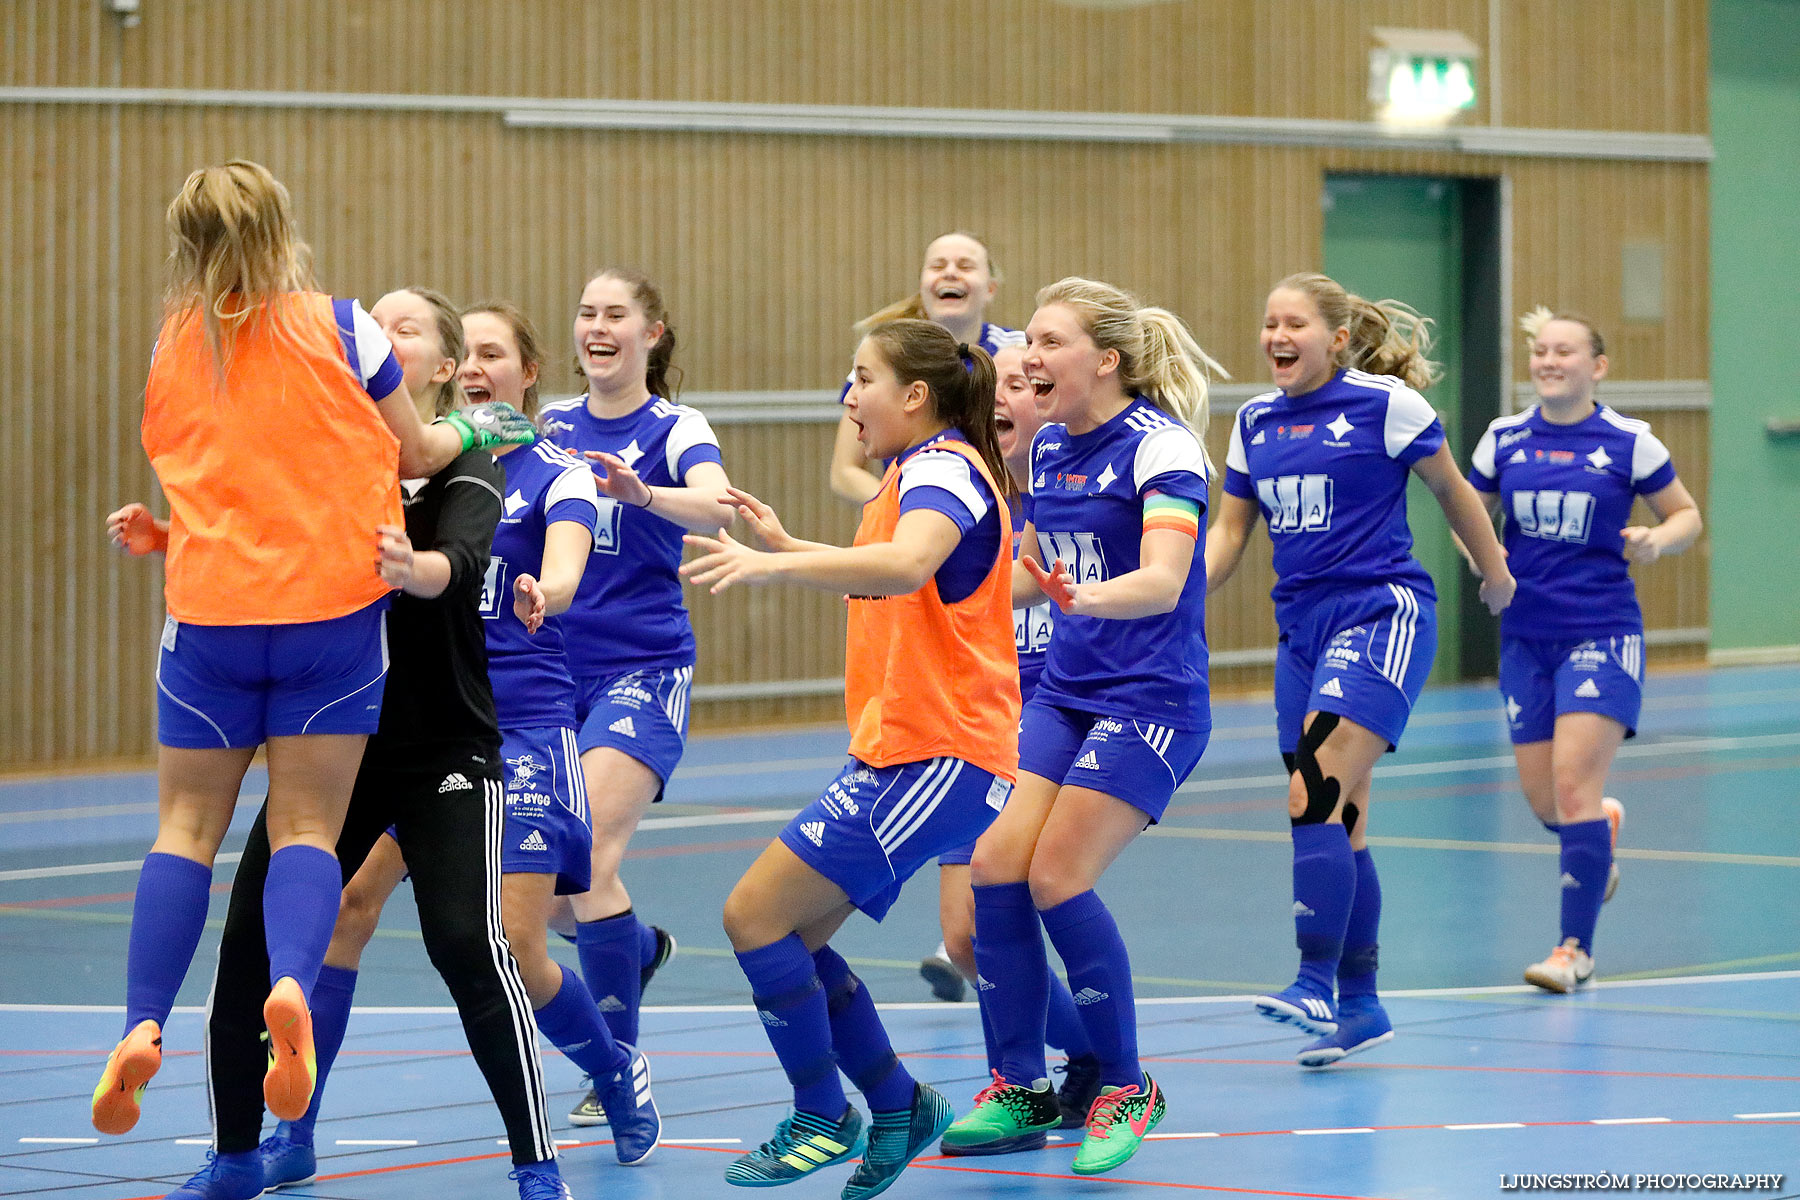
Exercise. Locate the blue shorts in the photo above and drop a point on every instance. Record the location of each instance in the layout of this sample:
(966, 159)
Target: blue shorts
(643, 714)
(232, 686)
(547, 823)
(1362, 654)
(1542, 678)
(1134, 761)
(873, 827)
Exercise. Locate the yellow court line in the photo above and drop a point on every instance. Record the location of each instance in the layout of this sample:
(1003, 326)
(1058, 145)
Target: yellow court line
(1405, 843)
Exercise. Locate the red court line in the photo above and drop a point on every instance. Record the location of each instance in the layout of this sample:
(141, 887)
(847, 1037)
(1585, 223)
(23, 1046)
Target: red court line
(76, 901)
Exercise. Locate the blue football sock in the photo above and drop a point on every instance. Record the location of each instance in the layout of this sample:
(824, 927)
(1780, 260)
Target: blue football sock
(858, 1037)
(612, 962)
(300, 909)
(988, 1041)
(1586, 862)
(573, 1026)
(1009, 952)
(168, 915)
(1356, 969)
(785, 985)
(330, 1005)
(1324, 890)
(1086, 936)
(1062, 1022)
(646, 945)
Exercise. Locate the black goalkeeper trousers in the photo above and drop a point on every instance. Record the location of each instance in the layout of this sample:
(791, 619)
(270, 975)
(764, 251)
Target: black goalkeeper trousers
(448, 818)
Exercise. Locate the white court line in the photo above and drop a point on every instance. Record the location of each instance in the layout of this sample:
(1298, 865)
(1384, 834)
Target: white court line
(59, 1141)
(1317, 1132)
(700, 1141)
(1451, 993)
(1631, 1121)
(1175, 1137)
(1490, 1125)
(193, 1141)
(1765, 1116)
(378, 1141)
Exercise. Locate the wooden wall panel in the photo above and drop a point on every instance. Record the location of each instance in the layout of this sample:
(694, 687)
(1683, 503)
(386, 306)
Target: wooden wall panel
(768, 247)
(1623, 64)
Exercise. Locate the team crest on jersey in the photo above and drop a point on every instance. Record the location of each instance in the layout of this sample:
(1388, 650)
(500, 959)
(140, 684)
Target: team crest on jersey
(525, 769)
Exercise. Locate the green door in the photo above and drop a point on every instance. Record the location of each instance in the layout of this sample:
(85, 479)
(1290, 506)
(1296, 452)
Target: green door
(1401, 237)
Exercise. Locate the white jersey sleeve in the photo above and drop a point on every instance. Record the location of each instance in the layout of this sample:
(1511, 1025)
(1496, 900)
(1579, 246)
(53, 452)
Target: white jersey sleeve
(1408, 415)
(372, 346)
(1648, 455)
(1482, 460)
(1235, 458)
(1167, 448)
(691, 429)
(949, 471)
(576, 483)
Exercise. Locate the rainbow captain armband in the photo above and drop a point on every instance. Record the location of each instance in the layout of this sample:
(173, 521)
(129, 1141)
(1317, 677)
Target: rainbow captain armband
(1171, 512)
(484, 426)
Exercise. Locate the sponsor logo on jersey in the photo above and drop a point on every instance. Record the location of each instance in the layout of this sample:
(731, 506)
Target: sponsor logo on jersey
(534, 841)
(1071, 483)
(455, 782)
(1517, 435)
(1560, 458)
(1291, 433)
(1518, 457)
(624, 727)
(1037, 485)
(551, 426)
(1261, 435)
(814, 832)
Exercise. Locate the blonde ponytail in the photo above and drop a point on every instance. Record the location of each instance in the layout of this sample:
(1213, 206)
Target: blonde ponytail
(1386, 336)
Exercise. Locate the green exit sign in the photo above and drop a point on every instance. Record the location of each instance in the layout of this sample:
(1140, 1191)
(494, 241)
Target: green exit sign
(1422, 75)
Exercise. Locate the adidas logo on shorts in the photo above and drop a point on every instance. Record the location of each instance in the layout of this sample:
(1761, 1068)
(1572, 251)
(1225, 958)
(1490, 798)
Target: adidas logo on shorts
(814, 831)
(1588, 690)
(1300, 909)
(1088, 762)
(1090, 996)
(534, 841)
(982, 985)
(455, 782)
(623, 725)
(610, 1004)
(1332, 688)
(771, 1020)
(1569, 881)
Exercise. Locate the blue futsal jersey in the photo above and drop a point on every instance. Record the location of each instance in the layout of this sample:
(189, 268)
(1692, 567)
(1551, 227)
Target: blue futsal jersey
(1087, 506)
(544, 485)
(1329, 471)
(629, 614)
(1566, 492)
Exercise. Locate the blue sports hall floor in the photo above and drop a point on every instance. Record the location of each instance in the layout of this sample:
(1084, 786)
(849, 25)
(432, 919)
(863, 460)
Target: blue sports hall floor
(1682, 1060)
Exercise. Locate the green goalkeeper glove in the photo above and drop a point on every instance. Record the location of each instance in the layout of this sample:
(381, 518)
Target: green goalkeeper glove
(485, 426)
